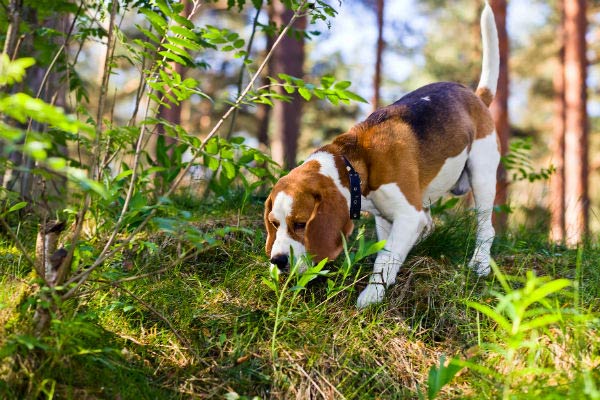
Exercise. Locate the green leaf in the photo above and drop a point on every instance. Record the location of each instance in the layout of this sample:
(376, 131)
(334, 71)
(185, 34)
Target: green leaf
(341, 85)
(149, 35)
(305, 93)
(374, 248)
(177, 50)
(184, 43)
(158, 22)
(354, 96)
(543, 321)
(440, 376)
(56, 163)
(492, 314)
(17, 206)
(229, 168)
(547, 289)
(173, 57)
(185, 32)
(327, 81)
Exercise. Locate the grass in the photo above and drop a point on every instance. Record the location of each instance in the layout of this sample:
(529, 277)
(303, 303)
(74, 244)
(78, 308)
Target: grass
(202, 326)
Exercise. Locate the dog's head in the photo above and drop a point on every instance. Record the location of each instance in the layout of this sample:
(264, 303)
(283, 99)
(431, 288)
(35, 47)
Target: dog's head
(306, 213)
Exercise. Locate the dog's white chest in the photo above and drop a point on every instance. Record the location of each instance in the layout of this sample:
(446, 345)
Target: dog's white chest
(445, 179)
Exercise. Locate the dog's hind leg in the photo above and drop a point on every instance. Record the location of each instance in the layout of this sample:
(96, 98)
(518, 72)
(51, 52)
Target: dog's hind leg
(482, 164)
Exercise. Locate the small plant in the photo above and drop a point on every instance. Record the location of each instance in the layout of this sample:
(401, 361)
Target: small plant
(518, 162)
(282, 291)
(337, 281)
(440, 376)
(531, 323)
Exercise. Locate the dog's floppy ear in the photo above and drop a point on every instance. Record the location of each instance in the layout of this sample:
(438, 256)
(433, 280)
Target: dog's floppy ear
(329, 220)
(271, 231)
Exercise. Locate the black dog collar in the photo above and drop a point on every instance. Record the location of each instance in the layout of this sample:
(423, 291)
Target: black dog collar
(355, 191)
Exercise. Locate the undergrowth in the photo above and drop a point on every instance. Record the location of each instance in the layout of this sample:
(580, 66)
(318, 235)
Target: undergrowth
(165, 322)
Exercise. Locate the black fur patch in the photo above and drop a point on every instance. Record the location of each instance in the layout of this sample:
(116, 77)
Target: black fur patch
(426, 109)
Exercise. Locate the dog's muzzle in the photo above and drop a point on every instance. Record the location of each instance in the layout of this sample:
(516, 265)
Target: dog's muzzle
(281, 261)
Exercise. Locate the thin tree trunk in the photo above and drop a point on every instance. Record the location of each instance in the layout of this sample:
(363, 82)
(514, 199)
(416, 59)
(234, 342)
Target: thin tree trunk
(379, 55)
(499, 108)
(557, 182)
(288, 58)
(576, 162)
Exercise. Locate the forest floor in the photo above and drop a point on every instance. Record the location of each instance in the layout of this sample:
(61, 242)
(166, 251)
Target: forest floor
(154, 325)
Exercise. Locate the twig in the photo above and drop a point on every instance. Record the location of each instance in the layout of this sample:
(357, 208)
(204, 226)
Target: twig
(243, 68)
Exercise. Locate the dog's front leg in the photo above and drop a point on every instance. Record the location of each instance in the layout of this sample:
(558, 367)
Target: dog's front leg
(403, 234)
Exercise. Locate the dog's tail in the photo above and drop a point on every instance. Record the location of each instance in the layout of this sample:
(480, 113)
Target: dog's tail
(491, 56)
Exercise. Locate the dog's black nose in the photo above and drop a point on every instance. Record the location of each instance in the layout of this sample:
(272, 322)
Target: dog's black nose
(281, 260)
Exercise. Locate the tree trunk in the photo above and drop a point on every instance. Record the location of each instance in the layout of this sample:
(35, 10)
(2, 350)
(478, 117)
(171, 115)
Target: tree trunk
(46, 193)
(288, 58)
(378, 56)
(576, 162)
(499, 108)
(557, 182)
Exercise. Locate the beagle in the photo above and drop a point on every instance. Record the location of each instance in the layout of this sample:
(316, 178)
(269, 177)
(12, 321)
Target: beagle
(438, 139)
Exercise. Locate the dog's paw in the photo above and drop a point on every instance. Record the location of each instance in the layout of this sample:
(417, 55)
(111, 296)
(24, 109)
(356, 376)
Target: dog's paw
(480, 265)
(372, 294)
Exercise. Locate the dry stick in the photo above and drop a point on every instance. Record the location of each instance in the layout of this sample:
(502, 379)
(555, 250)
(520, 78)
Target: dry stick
(105, 255)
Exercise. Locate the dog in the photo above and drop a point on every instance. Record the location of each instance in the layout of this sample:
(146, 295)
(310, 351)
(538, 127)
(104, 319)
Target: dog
(437, 139)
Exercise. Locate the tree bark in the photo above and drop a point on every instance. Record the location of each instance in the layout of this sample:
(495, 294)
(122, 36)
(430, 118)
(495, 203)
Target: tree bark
(557, 181)
(576, 162)
(499, 108)
(288, 58)
(379, 55)
(47, 193)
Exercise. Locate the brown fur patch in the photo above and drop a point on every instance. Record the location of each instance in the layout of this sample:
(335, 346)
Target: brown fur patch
(317, 203)
(485, 95)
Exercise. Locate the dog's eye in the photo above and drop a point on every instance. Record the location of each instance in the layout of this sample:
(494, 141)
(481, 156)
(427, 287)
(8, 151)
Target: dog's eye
(298, 226)
(275, 224)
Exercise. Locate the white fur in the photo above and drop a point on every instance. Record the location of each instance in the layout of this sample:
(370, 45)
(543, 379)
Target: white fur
(282, 208)
(328, 168)
(407, 223)
(445, 179)
(483, 163)
(490, 65)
